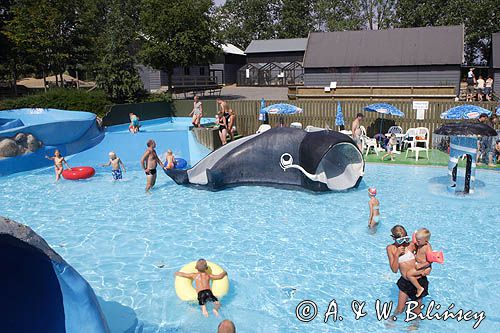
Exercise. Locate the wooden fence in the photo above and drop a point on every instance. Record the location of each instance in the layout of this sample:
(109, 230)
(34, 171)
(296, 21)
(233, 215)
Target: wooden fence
(322, 113)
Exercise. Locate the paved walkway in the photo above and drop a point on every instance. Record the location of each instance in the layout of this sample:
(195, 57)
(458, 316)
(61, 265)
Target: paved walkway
(252, 93)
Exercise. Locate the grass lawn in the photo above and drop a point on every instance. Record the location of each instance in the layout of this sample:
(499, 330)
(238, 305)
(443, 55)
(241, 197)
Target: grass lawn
(436, 158)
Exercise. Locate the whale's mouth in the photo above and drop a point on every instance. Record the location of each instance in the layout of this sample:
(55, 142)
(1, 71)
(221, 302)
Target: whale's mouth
(341, 167)
(31, 295)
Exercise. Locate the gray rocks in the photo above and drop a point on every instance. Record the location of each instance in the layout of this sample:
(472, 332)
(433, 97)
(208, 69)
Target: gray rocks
(20, 144)
(8, 148)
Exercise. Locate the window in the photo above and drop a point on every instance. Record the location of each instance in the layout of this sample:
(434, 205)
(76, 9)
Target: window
(202, 71)
(186, 71)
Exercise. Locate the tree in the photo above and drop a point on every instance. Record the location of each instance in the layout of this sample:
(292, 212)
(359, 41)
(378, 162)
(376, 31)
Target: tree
(116, 72)
(338, 15)
(242, 21)
(378, 14)
(50, 33)
(480, 20)
(177, 33)
(296, 18)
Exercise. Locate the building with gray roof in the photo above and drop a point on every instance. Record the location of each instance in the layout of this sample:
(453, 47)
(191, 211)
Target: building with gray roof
(430, 56)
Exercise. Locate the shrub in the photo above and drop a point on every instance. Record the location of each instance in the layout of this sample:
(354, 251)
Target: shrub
(62, 98)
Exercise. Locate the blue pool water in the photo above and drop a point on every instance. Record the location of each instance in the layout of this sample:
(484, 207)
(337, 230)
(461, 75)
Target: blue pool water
(279, 246)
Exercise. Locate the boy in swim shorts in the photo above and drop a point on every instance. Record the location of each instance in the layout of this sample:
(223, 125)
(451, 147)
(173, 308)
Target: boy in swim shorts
(115, 163)
(202, 281)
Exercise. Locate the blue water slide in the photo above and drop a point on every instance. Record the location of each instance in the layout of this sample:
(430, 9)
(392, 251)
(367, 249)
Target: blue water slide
(40, 291)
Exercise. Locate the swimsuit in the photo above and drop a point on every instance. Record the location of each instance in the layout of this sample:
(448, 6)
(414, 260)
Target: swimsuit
(221, 125)
(206, 295)
(196, 109)
(151, 172)
(409, 289)
(376, 218)
(406, 257)
(117, 174)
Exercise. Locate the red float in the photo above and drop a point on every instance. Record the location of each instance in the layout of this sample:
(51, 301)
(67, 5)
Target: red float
(77, 173)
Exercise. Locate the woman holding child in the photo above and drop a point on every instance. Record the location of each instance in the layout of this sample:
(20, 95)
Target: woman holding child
(409, 259)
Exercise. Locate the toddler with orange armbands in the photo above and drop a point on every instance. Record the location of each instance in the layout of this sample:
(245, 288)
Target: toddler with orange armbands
(424, 258)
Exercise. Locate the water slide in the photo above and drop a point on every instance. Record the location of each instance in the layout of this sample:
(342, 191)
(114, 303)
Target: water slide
(317, 160)
(40, 291)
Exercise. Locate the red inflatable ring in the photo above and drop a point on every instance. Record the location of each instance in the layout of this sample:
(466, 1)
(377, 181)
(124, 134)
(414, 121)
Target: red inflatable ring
(78, 173)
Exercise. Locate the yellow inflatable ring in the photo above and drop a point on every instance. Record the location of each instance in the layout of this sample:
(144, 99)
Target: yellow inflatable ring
(184, 286)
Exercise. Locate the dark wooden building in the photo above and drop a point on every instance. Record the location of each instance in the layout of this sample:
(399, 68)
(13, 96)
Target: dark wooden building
(276, 50)
(227, 63)
(222, 71)
(273, 62)
(430, 56)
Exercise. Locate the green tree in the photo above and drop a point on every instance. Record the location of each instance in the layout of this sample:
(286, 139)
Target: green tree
(296, 18)
(480, 20)
(378, 14)
(177, 33)
(116, 72)
(241, 21)
(338, 15)
(50, 33)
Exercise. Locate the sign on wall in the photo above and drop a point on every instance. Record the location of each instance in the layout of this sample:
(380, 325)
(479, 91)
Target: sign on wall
(421, 107)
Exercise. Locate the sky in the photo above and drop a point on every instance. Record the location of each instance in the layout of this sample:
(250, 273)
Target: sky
(219, 2)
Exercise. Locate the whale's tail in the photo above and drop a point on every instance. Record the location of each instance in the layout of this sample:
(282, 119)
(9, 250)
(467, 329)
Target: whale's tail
(179, 176)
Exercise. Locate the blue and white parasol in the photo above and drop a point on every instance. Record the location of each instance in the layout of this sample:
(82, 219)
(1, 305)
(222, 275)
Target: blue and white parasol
(465, 111)
(385, 108)
(339, 118)
(281, 108)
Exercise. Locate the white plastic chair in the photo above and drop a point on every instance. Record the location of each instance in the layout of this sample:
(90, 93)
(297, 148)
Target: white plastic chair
(368, 143)
(409, 138)
(421, 136)
(296, 125)
(395, 130)
(262, 128)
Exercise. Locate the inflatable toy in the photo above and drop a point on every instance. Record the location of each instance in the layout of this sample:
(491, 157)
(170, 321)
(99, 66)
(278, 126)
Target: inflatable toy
(40, 291)
(435, 256)
(315, 159)
(184, 286)
(77, 173)
(180, 163)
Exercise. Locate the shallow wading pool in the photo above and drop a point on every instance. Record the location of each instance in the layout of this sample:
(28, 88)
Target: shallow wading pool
(279, 246)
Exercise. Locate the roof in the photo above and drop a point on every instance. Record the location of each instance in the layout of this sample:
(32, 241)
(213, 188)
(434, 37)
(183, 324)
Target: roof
(495, 46)
(277, 45)
(231, 49)
(393, 47)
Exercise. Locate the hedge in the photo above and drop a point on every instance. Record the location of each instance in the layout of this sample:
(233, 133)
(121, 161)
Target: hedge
(62, 98)
(95, 101)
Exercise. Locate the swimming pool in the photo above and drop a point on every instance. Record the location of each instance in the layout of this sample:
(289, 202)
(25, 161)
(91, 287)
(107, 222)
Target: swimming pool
(279, 246)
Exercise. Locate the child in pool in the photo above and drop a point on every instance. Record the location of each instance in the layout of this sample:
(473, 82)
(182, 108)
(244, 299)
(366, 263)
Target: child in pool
(115, 163)
(202, 281)
(58, 163)
(170, 160)
(374, 205)
(412, 266)
(134, 123)
(390, 147)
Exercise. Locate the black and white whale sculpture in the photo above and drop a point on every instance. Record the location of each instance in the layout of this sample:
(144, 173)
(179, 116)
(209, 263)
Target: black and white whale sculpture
(315, 159)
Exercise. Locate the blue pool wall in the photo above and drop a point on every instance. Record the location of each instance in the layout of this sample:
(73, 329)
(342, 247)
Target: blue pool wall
(68, 131)
(130, 147)
(52, 126)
